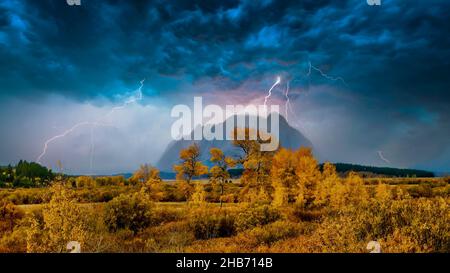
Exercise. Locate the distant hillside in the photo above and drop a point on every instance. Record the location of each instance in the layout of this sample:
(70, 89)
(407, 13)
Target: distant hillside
(340, 168)
(380, 171)
(344, 167)
(164, 175)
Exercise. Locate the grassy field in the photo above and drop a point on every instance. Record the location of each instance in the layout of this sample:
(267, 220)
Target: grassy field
(34, 196)
(402, 214)
(160, 205)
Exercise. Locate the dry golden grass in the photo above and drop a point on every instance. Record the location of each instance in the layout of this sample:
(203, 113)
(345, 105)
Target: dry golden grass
(399, 213)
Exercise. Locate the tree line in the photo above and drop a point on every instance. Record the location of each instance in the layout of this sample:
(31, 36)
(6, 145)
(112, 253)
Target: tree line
(25, 174)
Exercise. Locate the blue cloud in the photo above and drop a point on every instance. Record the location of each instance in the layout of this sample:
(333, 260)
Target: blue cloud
(393, 56)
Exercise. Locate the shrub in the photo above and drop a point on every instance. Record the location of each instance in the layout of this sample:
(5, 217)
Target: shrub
(303, 214)
(443, 191)
(26, 196)
(276, 231)
(208, 224)
(10, 215)
(102, 194)
(165, 214)
(228, 198)
(14, 242)
(62, 220)
(170, 237)
(414, 225)
(256, 215)
(128, 211)
(422, 190)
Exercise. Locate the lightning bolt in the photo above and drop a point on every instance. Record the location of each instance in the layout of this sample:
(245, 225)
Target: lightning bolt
(65, 133)
(326, 76)
(129, 101)
(91, 153)
(288, 101)
(269, 94)
(93, 125)
(380, 154)
(288, 106)
(114, 109)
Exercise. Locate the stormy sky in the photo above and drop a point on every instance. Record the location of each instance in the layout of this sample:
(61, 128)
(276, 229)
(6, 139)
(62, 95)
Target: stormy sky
(61, 65)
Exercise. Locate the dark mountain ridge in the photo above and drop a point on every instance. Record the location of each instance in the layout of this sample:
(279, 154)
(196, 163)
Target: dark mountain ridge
(289, 137)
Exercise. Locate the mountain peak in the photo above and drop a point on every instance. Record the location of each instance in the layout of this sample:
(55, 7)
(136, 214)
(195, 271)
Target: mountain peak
(289, 138)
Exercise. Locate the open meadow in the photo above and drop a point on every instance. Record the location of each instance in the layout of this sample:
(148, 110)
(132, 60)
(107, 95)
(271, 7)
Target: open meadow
(402, 214)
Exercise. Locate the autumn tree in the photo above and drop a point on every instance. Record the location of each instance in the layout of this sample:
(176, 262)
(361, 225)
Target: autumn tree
(356, 191)
(308, 174)
(155, 189)
(283, 176)
(145, 173)
(256, 163)
(219, 172)
(62, 221)
(242, 139)
(199, 195)
(152, 182)
(350, 191)
(325, 187)
(295, 175)
(184, 190)
(190, 166)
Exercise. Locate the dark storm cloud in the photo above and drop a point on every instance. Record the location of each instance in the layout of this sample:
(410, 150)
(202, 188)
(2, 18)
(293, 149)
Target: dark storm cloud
(82, 51)
(395, 58)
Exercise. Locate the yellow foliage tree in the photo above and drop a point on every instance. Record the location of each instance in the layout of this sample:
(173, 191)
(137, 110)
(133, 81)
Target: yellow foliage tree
(256, 163)
(349, 191)
(145, 173)
(308, 174)
(280, 194)
(191, 164)
(219, 172)
(354, 191)
(62, 221)
(153, 186)
(283, 175)
(199, 195)
(155, 189)
(325, 187)
(185, 190)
